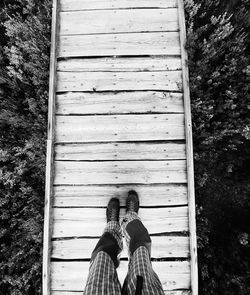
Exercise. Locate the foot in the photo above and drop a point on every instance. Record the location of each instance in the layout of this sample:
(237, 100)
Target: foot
(113, 210)
(132, 202)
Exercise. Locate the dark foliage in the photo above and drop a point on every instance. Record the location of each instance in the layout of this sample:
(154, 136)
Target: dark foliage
(218, 48)
(24, 60)
(219, 63)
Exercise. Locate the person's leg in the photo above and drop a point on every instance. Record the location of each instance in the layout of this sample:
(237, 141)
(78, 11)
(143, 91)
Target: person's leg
(141, 278)
(102, 278)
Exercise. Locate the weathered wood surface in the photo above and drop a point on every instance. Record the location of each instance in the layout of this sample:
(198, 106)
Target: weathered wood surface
(47, 229)
(162, 247)
(120, 151)
(83, 228)
(118, 81)
(182, 292)
(120, 64)
(72, 275)
(118, 21)
(90, 222)
(78, 103)
(98, 196)
(120, 172)
(164, 43)
(189, 144)
(119, 128)
(71, 5)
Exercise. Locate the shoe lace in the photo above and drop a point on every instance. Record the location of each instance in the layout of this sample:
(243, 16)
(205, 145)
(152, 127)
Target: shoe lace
(113, 214)
(131, 205)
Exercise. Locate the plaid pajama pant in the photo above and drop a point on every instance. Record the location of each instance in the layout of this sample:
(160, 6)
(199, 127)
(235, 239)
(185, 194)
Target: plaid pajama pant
(103, 279)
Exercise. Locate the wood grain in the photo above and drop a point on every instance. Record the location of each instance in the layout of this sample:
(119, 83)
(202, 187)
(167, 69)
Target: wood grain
(165, 43)
(47, 229)
(118, 81)
(72, 275)
(189, 148)
(119, 128)
(120, 172)
(120, 151)
(182, 292)
(79, 103)
(90, 222)
(120, 64)
(71, 5)
(118, 21)
(162, 247)
(98, 196)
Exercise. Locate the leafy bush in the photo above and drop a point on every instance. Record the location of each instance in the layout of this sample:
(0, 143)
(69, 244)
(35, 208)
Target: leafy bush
(24, 58)
(218, 47)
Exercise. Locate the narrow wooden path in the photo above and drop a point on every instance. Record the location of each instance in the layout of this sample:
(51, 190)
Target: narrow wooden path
(119, 119)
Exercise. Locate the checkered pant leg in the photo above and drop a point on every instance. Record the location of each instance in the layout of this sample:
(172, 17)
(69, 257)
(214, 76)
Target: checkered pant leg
(114, 228)
(140, 265)
(141, 231)
(102, 278)
(130, 216)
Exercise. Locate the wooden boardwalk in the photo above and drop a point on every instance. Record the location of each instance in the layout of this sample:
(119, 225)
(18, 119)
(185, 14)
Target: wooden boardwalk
(119, 119)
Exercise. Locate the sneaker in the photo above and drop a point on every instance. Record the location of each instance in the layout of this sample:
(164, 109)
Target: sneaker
(113, 210)
(132, 202)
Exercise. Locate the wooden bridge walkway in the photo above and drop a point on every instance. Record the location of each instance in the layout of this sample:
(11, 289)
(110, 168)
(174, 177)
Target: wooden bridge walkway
(119, 119)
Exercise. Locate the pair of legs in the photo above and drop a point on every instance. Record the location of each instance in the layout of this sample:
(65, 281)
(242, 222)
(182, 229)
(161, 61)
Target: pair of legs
(141, 279)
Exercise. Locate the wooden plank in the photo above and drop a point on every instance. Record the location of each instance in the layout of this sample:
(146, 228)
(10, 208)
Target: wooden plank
(162, 247)
(47, 230)
(182, 292)
(120, 151)
(98, 196)
(118, 21)
(120, 172)
(78, 103)
(90, 222)
(189, 147)
(164, 43)
(71, 5)
(72, 276)
(120, 64)
(119, 128)
(117, 81)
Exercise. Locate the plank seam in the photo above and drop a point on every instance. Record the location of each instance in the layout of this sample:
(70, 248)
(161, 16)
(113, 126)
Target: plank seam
(119, 33)
(130, 8)
(62, 58)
